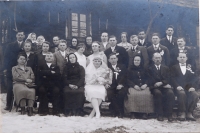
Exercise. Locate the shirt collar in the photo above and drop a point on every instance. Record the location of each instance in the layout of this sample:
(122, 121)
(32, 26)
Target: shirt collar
(134, 47)
(158, 66)
(182, 64)
(181, 48)
(157, 45)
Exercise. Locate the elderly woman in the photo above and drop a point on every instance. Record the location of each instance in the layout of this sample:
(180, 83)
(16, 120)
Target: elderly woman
(74, 43)
(98, 79)
(88, 43)
(81, 59)
(74, 78)
(139, 99)
(23, 77)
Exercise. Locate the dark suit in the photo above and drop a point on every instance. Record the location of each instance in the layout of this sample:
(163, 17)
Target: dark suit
(163, 97)
(165, 42)
(190, 54)
(102, 48)
(165, 56)
(116, 97)
(121, 54)
(146, 44)
(49, 83)
(186, 100)
(139, 51)
(10, 59)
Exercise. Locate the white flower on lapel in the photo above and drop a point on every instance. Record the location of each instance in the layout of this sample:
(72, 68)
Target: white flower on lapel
(159, 48)
(139, 52)
(162, 53)
(189, 68)
(117, 53)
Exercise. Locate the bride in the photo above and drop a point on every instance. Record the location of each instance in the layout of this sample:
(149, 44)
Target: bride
(98, 79)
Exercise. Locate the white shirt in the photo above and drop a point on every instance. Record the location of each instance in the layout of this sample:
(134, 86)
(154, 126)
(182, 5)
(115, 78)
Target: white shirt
(113, 48)
(156, 46)
(49, 64)
(157, 67)
(20, 43)
(114, 66)
(169, 38)
(134, 47)
(142, 41)
(28, 54)
(62, 53)
(105, 44)
(81, 59)
(183, 68)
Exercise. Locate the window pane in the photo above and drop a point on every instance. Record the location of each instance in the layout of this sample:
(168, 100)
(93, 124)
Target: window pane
(75, 16)
(83, 25)
(82, 17)
(74, 32)
(74, 24)
(82, 33)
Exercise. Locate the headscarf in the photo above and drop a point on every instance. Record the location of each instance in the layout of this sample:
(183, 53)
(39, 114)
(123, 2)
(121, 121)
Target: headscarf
(74, 47)
(71, 66)
(134, 67)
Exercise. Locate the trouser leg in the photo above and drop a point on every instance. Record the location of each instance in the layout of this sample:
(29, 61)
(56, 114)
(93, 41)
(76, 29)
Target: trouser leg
(192, 99)
(181, 100)
(43, 107)
(22, 102)
(168, 101)
(9, 92)
(157, 96)
(55, 98)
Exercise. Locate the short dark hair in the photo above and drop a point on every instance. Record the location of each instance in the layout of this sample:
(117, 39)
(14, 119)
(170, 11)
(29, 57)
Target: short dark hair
(111, 55)
(88, 36)
(21, 54)
(80, 45)
(18, 31)
(112, 36)
(28, 41)
(141, 30)
(170, 26)
(104, 32)
(182, 53)
(63, 41)
(46, 42)
(181, 38)
(133, 36)
(57, 37)
(155, 34)
(124, 33)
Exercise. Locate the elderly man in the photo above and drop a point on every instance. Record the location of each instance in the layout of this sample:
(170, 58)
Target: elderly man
(50, 77)
(169, 41)
(10, 60)
(182, 79)
(160, 88)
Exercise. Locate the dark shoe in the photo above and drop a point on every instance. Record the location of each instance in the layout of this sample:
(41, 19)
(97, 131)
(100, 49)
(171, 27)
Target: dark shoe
(43, 114)
(181, 116)
(56, 113)
(132, 116)
(170, 119)
(30, 111)
(23, 111)
(7, 108)
(144, 116)
(190, 117)
(160, 118)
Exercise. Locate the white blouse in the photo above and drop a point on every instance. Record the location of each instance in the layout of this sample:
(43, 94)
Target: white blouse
(81, 59)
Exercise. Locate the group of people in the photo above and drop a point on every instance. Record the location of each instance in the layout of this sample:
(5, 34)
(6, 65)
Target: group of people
(137, 77)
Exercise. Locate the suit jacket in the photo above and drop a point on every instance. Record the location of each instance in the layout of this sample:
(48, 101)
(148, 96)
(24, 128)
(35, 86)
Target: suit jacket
(121, 76)
(190, 54)
(163, 75)
(146, 44)
(165, 42)
(102, 47)
(60, 61)
(140, 50)
(178, 79)
(164, 52)
(10, 57)
(121, 54)
(47, 78)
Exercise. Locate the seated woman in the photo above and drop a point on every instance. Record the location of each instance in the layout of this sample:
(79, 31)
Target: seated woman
(22, 76)
(139, 99)
(74, 78)
(98, 79)
(81, 59)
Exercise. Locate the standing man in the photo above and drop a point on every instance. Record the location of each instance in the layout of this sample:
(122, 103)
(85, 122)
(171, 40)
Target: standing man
(121, 53)
(137, 50)
(174, 53)
(142, 39)
(104, 42)
(169, 41)
(117, 90)
(54, 48)
(124, 42)
(10, 60)
(160, 88)
(182, 79)
(156, 47)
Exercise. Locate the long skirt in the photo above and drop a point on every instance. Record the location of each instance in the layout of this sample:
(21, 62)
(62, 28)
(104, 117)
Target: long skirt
(95, 91)
(139, 101)
(21, 91)
(73, 99)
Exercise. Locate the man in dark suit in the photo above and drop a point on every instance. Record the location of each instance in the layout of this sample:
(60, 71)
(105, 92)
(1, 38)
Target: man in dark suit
(121, 53)
(117, 90)
(137, 50)
(160, 88)
(104, 42)
(142, 39)
(156, 47)
(10, 60)
(169, 41)
(49, 83)
(174, 53)
(182, 79)
(54, 48)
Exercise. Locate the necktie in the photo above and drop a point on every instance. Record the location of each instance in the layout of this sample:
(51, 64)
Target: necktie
(156, 47)
(158, 68)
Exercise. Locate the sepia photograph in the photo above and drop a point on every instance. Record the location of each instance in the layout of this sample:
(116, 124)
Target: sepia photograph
(99, 66)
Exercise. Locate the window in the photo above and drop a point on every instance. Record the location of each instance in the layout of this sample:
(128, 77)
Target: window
(79, 25)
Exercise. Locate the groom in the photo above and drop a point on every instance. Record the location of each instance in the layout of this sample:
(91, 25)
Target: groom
(116, 92)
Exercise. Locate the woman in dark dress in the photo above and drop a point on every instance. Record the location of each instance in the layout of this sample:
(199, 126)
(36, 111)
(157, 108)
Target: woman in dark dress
(74, 43)
(139, 99)
(88, 49)
(74, 78)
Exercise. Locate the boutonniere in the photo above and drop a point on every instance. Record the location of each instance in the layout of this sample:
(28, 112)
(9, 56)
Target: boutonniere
(117, 69)
(115, 52)
(162, 53)
(189, 68)
(52, 67)
(139, 52)
(159, 48)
